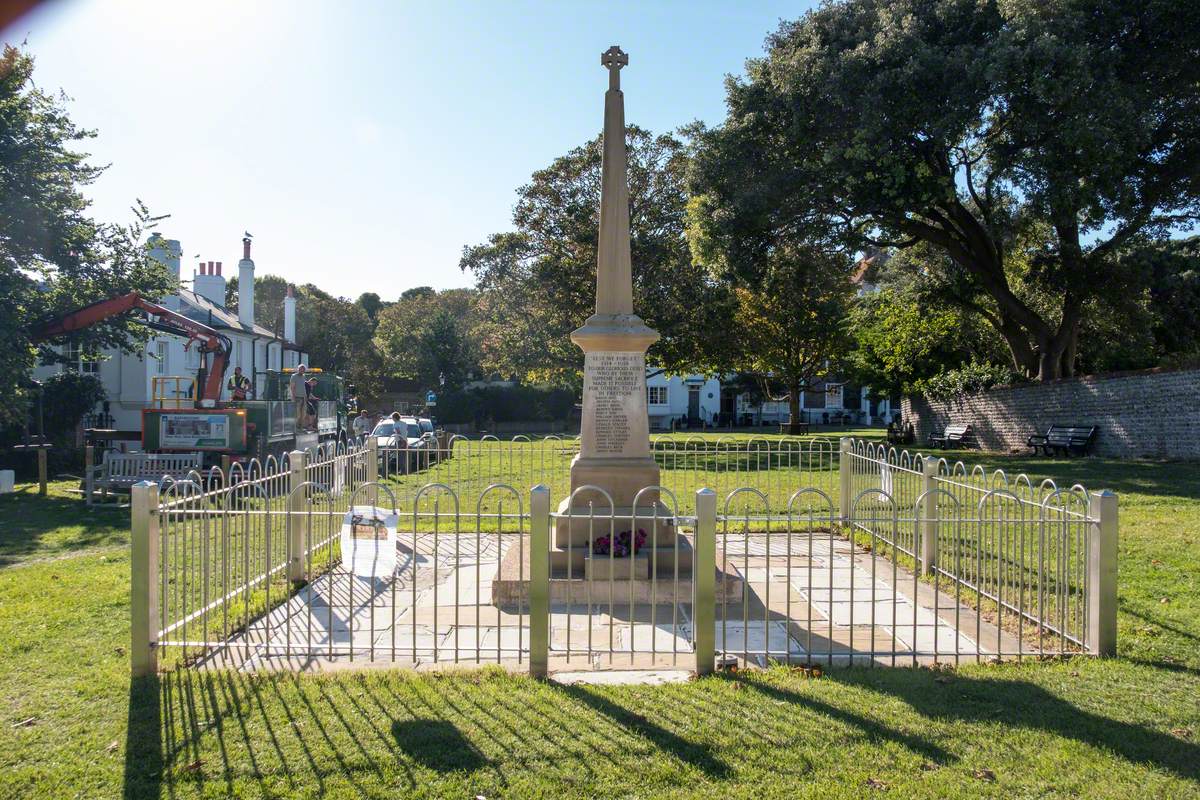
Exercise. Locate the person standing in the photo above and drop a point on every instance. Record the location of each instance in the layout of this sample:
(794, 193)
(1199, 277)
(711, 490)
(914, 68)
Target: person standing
(360, 425)
(297, 391)
(239, 385)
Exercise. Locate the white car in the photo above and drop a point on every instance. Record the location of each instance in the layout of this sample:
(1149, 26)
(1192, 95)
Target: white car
(393, 437)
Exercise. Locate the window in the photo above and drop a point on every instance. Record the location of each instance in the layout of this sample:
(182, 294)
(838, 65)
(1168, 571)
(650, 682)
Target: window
(833, 395)
(80, 361)
(160, 359)
(656, 395)
(71, 354)
(192, 357)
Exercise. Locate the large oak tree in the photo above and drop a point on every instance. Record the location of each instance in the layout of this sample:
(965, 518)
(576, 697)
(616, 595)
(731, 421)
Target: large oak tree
(960, 124)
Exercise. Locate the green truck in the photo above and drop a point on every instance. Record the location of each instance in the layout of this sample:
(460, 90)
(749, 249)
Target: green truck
(245, 429)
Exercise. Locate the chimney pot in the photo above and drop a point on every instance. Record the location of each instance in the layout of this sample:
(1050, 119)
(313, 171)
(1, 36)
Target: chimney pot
(246, 248)
(218, 267)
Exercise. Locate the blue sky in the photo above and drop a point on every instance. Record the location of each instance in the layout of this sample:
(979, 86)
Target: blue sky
(364, 143)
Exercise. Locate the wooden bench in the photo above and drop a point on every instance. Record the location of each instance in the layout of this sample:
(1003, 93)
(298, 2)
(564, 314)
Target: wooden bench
(955, 435)
(120, 471)
(1066, 439)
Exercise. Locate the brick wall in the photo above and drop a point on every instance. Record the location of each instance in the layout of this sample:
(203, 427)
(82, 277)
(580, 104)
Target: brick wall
(1148, 414)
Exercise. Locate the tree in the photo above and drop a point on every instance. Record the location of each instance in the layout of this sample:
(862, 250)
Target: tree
(1171, 273)
(53, 257)
(960, 124)
(336, 333)
(907, 332)
(370, 303)
(416, 292)
(430, 336)
(537, 283)
(790, 323)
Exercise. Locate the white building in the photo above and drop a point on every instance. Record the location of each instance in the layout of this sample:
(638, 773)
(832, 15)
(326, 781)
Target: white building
(128, 378)
(674, 401)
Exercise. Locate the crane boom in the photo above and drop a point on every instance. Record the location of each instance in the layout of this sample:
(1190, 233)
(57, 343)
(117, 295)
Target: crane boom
(210, 376)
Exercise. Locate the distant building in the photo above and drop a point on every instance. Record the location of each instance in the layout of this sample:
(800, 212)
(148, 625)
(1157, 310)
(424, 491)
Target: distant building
(678, 400)
(128, 378)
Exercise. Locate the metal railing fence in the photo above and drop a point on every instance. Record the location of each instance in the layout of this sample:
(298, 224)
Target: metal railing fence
(804, 552)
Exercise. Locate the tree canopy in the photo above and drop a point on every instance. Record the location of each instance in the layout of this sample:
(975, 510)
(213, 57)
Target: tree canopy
(430, 337)
(963, 125)
(790, 323)
(537, 282)
(54, 258)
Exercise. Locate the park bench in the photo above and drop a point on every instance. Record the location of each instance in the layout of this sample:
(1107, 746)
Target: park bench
(898, 433)
(1066, 439)
(955, 435)
(120, 471)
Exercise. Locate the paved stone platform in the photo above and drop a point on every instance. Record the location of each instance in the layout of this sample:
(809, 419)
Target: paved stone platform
(805, 599)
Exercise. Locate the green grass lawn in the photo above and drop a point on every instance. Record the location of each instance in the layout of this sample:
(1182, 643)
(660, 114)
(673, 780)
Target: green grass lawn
(73, 726)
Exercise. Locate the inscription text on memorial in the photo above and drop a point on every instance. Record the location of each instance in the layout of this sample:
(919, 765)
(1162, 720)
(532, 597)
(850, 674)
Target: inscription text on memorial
(614, 403)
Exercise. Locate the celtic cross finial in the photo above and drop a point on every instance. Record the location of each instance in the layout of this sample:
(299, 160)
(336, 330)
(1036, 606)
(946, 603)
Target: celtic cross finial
(613, 59)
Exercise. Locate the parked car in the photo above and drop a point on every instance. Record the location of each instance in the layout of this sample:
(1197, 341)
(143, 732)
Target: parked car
(399, 444)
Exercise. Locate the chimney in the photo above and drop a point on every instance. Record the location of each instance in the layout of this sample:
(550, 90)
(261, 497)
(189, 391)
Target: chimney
(289, 315)
(246, 286)
(166, 252)
(209, 283)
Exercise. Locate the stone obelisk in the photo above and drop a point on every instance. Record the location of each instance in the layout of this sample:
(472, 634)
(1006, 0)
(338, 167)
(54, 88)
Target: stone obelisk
(614, 451)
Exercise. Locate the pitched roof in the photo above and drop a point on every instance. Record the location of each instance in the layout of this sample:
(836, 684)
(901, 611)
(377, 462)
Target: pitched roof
(201, 309)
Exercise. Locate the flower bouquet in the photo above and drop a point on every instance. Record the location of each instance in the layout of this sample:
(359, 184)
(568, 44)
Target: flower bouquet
(625, 542)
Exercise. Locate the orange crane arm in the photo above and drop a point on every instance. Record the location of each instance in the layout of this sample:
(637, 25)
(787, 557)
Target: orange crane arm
(210, 341)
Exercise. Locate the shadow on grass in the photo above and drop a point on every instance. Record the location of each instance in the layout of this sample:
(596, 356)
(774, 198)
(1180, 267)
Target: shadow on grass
(444, 733)
(1021, 704)
(694, 753)
(1123, 476)
(25, 518)
(437, 744)
(143, 739)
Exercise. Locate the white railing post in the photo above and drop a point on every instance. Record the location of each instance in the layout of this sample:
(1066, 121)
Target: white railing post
(704, 579)
(539, 581)
(927, 517)
(845, 485)
(372, 459)
(143, 655)
(297, 508)
(1102, 576)
(373, 469)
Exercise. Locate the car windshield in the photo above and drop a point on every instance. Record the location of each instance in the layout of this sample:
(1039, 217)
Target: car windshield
(414, 431)
(383, 429)
(427, 426)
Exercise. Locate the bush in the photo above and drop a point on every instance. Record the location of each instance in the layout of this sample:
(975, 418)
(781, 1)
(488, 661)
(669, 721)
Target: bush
(976, 376)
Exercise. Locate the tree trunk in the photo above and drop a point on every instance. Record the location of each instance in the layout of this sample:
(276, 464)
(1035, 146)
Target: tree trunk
(794, 408)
